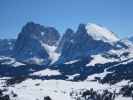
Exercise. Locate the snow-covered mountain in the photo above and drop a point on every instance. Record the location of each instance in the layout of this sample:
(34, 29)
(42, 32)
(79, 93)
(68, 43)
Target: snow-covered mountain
(39, 44)
(90, 39)
(101, 33)
(89, 64)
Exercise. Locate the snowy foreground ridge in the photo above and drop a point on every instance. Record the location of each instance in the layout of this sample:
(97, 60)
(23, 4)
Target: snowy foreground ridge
(38, 89)
(57, 89)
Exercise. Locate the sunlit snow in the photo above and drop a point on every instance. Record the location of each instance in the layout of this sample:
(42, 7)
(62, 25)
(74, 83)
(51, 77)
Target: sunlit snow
(101, 33)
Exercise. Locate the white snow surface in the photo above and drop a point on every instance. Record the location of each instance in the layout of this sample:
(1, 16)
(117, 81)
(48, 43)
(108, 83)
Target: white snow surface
(71, 62)
(46, 72)
(99, 59)
(51, 50)
(100, 33)
(57, 89)
(71, 77)
(122, 51)
(10, 61)
(35, 60)
(101, 75)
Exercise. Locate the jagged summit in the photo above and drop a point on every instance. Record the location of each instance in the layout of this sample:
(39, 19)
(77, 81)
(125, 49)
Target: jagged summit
(82, 43)
(101, 33)
(37, 42)
(31, 40)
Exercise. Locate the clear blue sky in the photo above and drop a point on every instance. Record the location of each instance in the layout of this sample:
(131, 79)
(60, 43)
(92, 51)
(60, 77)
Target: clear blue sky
(116, 15)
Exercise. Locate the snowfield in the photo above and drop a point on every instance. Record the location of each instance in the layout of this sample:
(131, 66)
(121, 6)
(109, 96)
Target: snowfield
(71, 62)
(46, 72)
(10, 61)
(51, 50)
(100, 33)
(99, 59)
(57, 89)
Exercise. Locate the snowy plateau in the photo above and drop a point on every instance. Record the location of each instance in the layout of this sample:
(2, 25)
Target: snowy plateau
(91, 63)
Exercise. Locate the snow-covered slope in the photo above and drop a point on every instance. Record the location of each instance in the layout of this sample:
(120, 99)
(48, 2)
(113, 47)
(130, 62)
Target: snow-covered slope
(51, 50)
(10, 61)
(46, 72)
(99, 59)
(59, 89)
(100, 33)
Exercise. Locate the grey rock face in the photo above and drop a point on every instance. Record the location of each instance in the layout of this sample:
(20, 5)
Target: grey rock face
(50, 36)
(30, 41)
(66, 40)
(80, 44)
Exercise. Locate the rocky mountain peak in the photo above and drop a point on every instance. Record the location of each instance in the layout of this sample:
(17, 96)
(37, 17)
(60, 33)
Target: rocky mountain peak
(50, 35)
(32, 29)
(31, 40)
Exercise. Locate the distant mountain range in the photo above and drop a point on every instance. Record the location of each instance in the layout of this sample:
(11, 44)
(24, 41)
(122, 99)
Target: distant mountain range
(39, 44)
(42, 64)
